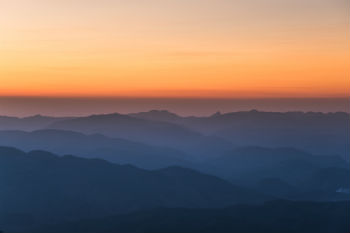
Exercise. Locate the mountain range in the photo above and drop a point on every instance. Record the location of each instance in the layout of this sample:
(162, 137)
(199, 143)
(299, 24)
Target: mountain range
(146, 172)
(318, 133)
(41, 187)
(120, 151)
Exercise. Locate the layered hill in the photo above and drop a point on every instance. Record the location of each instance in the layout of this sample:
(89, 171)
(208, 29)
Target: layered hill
(39, 187)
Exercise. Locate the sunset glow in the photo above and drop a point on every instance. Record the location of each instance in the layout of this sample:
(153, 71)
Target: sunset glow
(192, 48)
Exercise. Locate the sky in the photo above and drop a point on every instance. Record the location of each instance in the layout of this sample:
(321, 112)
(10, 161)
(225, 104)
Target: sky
(175, 48)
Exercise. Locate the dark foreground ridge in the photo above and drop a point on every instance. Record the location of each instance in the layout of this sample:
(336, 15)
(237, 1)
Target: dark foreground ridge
(41, 188)
(272, 217)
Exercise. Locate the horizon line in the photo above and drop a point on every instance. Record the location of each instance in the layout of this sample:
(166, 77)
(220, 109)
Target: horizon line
(173, 112)
(170, 97)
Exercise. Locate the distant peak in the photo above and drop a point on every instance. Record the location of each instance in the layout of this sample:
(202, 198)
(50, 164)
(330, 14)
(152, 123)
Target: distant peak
(254, 111)
(218, 113)
(107, 115)
(160, 114)
(161, 111)
(36, 116)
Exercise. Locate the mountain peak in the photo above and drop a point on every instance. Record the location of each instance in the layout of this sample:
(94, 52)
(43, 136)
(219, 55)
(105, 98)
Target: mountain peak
(162, 115)
(218, 113)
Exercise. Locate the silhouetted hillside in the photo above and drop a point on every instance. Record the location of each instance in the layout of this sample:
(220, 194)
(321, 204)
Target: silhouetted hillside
(291, 173)
(40, 187)
(158, 115)
(322, 133)
(124, 126)
(283, 172)
(119, 151)
(276, 216)
(27, 123)
(158, 133)
(318, 133)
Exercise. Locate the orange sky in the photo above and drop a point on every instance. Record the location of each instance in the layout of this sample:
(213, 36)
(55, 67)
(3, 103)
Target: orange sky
(175, 48)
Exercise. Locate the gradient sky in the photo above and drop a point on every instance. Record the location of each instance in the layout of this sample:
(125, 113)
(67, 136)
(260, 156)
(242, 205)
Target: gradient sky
(175, 48)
